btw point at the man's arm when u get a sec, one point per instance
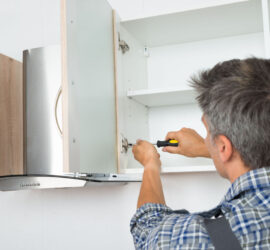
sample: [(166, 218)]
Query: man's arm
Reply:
[(191, 144), (151, 188), (151, 203)]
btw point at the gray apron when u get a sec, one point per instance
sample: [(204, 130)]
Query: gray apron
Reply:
[(219, 231), (221, 234)]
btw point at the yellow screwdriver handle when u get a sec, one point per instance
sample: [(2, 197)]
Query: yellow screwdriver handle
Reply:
[(171, 143)]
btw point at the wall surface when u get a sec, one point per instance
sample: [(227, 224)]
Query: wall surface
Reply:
[(28, 24), (95, 217)]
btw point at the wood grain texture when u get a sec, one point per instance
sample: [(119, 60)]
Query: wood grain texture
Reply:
[(11, 116)]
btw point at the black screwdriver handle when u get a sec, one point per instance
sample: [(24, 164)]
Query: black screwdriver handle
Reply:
[(167, 143)]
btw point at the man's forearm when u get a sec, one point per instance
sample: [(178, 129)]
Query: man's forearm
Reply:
[(151, 188)]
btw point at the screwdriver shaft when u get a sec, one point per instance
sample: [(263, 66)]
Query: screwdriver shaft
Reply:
[(172, 143)]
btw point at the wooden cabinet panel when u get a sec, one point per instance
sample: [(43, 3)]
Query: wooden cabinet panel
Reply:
[(11, 117)]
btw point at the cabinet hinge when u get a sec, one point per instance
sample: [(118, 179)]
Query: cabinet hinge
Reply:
[(123, 46), (124, 146)]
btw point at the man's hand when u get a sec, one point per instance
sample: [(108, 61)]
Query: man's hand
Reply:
[(151, 188), (146, 154), (191, 144)]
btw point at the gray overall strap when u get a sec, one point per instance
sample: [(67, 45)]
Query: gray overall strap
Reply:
[(221, 234)]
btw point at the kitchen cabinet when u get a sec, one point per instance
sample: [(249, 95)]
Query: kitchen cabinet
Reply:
[(124, 80)]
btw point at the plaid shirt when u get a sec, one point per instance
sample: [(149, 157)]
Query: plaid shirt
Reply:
[(246, 206)]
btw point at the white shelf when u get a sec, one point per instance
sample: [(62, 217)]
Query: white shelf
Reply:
[(201, 24), (179, 169), (162, 97)]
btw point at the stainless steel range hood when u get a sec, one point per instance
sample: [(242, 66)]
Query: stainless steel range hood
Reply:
[(28, 182), (43, 147)]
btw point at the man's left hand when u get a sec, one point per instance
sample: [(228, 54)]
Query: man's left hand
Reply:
[(146, 154)]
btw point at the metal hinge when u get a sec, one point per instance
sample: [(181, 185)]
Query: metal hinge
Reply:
[(123, 46), (124, 146)]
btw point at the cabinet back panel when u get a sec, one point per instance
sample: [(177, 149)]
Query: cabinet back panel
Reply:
[(172, 66), (172, 118)]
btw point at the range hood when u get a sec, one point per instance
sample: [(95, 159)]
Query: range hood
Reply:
[(43, 147), (42, 181)]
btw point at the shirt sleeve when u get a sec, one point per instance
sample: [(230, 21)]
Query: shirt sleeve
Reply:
[(147, 218), (156, 226)]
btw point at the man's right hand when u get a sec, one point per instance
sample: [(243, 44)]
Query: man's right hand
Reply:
[(191, 144)]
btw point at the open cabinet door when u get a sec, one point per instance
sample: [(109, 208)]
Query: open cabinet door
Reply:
[(89, 101)]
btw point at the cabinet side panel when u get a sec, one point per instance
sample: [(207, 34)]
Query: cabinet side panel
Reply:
[(91, 93), (172, 66), (131, 74), (11, 117)]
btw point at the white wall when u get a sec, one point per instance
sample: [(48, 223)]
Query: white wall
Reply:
[(28, 24), (91, 218), (94, 217)]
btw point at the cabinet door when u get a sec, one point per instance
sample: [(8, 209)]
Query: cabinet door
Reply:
[(89, 103)]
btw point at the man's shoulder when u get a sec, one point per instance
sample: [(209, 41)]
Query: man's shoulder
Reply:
[(249, 214)]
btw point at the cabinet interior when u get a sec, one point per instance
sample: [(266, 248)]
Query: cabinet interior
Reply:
[(154, 96)]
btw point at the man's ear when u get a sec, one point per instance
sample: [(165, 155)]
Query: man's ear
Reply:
[(224, 147)]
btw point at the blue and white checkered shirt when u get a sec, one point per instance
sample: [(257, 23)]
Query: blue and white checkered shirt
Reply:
[(246, 206)]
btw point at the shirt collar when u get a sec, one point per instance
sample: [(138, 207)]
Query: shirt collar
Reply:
[(254, 179)]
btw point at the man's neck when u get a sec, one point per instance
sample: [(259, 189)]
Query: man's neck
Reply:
[(235, 170)]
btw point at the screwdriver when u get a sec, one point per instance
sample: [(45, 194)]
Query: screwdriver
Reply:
[(171, 143)]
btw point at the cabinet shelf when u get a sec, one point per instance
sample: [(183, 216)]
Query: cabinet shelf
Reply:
[(162, 97), (201, 24), (177, 169)]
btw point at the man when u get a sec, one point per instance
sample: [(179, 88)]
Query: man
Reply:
[(235, 99)]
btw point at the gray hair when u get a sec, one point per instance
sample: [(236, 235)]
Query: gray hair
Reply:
[(235, 99)]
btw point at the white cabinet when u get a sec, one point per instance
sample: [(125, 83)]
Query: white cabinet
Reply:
[(129, 79)]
